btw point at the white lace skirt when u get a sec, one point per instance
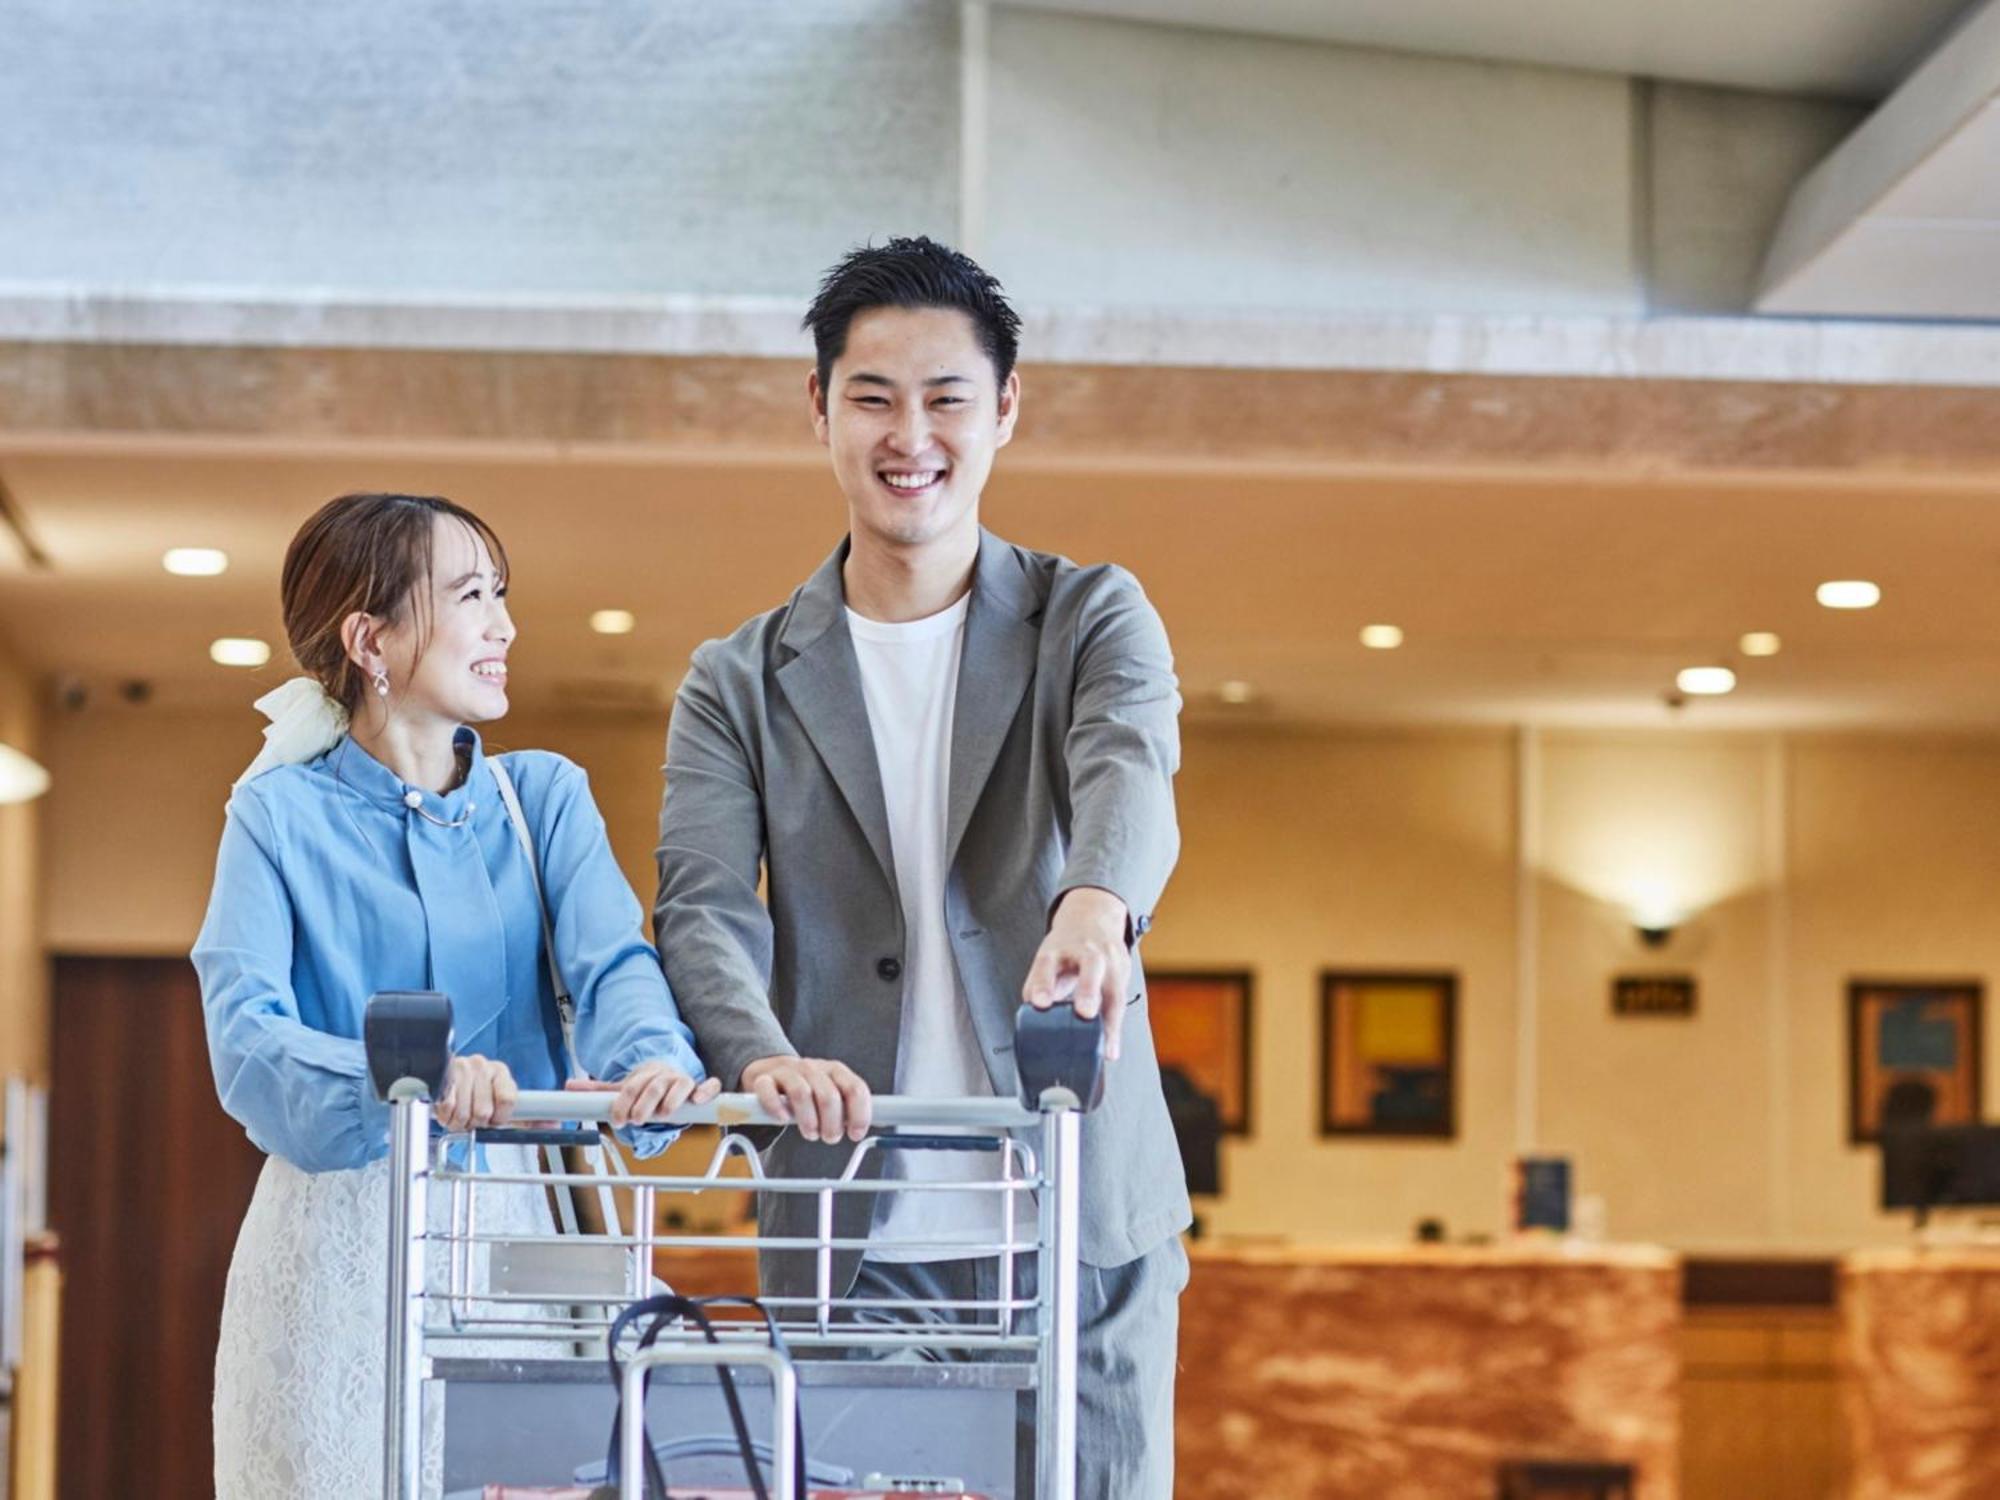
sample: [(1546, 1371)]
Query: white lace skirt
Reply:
[(299, 1372)]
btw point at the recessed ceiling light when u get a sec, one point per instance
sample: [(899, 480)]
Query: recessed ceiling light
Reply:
[(1381, 637), (1759, 643), (1849, 593), (21, 779), (1706, 682), (195, 562), (1235, 691), (239, 651), (612, 622)]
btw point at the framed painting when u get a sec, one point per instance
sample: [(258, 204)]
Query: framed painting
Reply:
[(1912, 1053), (1201, 1020), (1388, 1054)]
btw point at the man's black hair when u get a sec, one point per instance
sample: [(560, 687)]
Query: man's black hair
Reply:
[(915, 272)]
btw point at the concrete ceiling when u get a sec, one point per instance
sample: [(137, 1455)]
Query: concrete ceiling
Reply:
[(1856, 49), (1902, 220), (1551, 602)]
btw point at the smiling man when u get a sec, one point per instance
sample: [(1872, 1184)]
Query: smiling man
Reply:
[(952, 760)]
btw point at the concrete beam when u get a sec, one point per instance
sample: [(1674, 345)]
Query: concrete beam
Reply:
[(67, 397)]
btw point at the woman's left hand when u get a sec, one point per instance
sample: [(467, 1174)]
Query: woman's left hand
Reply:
[(649, 1093), (478, 1092)]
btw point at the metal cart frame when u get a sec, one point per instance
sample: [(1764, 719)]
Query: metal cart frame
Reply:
[(423, 1323)]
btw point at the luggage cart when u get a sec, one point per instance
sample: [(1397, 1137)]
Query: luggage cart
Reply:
[(455, 1290)]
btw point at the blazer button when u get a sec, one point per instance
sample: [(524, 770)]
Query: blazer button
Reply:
[(890, 969)]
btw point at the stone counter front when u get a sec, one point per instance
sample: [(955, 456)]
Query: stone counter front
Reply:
[(1412, 1374), (1920, 1373)]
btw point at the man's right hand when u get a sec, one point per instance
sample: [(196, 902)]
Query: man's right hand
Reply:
[(823, 1099)]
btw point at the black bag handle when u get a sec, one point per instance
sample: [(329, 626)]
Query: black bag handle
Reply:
[(662, 1310)]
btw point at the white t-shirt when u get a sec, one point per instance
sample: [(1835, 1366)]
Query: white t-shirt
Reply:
[(909, 677)]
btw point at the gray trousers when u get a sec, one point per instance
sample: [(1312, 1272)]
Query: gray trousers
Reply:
[(1128, 1344)]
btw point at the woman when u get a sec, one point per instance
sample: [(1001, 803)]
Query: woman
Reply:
[(368, 848)]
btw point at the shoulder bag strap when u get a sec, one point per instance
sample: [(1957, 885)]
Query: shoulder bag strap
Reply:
[(565, 1005)]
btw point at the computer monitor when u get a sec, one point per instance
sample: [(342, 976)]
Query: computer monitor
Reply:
[(1197, 1122), (1940, 1166)]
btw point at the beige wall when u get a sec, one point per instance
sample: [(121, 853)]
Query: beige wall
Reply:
[(23, 975), (1800, 862), (136, 809), (1369, 851), (1668, 1119)]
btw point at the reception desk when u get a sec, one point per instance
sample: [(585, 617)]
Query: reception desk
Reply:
[(1413, 1373), (1920, 1373)]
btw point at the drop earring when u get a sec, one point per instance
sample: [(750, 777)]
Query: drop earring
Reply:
[(382, 683)]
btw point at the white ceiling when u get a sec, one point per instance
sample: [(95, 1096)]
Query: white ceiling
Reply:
[(1558, 603), (1855, 49)]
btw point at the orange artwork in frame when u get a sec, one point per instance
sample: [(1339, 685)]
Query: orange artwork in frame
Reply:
[(1201, 1022)]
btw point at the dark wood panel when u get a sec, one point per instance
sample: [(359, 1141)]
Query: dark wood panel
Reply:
[(1768, 1281), (149, 1181)]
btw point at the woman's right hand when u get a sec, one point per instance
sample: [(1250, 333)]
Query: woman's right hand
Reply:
[(478, 1092)]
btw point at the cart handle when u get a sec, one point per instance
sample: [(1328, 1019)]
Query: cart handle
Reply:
[(1059, 1055), (733, 1110)]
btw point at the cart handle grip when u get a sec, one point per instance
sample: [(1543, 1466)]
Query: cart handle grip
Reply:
[(407, 1036), (1060, 1055)]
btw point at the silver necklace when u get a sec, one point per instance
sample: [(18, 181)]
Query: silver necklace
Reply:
[(414, 801)]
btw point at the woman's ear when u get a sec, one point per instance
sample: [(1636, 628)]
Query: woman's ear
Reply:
[(359, 639)]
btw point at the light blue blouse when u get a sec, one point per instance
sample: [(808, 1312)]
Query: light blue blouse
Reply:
[(328, 888)]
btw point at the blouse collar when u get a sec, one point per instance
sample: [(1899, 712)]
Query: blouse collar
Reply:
[(356, 768)]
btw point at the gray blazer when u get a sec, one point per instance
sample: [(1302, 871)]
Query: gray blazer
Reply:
[(1064, 747)]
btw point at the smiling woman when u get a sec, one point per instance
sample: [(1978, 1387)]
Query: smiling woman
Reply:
[(367, 555), (374, 846)]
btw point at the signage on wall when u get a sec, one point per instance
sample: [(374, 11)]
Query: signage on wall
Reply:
[(1653, 995)]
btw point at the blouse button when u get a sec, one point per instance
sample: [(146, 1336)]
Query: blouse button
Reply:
[(413, 800), (890, 969)]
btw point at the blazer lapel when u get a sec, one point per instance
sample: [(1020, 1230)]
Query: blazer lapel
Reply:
[(823, 685), (1002, 636)]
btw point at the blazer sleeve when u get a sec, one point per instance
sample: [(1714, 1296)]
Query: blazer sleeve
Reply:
[(1121, 751), (714, 933), (299, 1092)]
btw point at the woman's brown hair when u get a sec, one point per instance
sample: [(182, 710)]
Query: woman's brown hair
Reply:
[(369, 554)]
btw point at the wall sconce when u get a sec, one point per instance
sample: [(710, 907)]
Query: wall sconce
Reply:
[(1655, 915), (1654, 934), (21, 778)]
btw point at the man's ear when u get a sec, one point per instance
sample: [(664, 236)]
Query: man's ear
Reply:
[(1010, 409), (818, 399)]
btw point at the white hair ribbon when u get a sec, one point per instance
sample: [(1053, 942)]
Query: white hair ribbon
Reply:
[(306, 721)]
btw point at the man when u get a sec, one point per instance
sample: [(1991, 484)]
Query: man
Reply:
[(952, 759)]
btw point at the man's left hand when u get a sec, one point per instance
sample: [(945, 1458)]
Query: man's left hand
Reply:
[(1084, 961)]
